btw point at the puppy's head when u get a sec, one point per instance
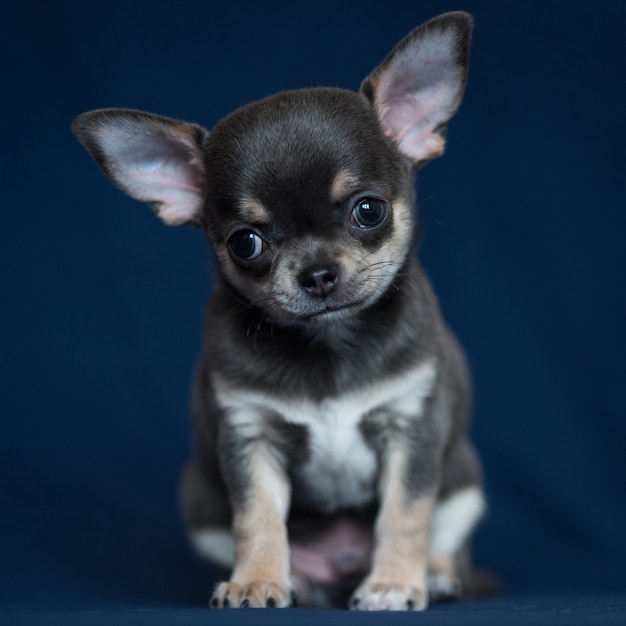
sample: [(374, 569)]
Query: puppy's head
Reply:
[(307, 196), (309, 205)]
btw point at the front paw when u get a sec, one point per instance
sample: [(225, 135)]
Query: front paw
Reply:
[(252, 595), (381, 596)]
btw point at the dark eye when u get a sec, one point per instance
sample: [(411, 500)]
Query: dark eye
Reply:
[(246, 245), (368, 213)]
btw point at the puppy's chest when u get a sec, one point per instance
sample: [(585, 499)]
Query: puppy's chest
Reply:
[(333, 464), (339, 465)]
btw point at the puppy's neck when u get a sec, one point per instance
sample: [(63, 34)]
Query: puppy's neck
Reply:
[(318, 361)]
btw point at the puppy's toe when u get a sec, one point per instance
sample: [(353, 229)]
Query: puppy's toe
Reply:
[(443, 587), (251, 595), (388, 597)]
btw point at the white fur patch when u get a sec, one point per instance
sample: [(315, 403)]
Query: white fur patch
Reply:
[(217, 545), (342, 468), (454, 519)]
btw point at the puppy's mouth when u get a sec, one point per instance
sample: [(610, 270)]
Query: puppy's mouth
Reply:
[(331, 313)]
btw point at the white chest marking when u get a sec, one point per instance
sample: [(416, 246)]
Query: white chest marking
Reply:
[(341, 469)]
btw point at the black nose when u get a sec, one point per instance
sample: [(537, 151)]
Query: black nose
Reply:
[(320, 280)]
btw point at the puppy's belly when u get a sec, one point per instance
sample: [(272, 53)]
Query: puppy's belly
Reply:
[(341, 556)]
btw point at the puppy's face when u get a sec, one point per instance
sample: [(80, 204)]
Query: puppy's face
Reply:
[(310, 207)]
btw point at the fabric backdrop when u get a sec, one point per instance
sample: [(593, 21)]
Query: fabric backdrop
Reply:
[(102, 304)]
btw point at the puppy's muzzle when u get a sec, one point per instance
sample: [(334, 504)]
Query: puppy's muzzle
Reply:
[(320, 280)]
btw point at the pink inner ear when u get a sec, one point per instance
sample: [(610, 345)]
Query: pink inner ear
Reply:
[(411, 119), (171, 183), (418, 91), (157, 164)]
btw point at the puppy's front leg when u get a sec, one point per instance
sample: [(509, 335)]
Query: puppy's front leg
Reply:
[(260, 501), (398, 577)]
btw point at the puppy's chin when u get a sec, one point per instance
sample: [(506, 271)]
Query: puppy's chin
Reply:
[(319, 314), (331, 314)]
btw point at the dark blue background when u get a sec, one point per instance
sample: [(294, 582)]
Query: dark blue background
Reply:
[(102, 304)]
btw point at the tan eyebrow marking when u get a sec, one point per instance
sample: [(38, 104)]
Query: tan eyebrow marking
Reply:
[(254, 211), (343, 186)]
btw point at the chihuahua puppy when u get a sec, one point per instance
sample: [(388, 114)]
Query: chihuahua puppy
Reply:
[(331, 401)]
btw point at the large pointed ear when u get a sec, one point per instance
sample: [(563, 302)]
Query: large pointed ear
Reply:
[(151, 158), (419, 86)]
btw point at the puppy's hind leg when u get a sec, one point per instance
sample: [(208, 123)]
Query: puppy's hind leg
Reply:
[(459, 507), (453, 520), (207, 516)]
